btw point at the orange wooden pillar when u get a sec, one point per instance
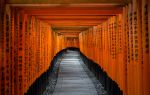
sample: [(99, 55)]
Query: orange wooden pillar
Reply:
[(2, 70), (100, 45), (1, 44), (123, 49), (95, 44), (121, 55), (7, 50), (103, 46), (149, 29), (106, 48), (109, 52), (21, 53), (128, 51), (137, 50), (117, 63), (131, 67), (16, 53), (112, 48), (149, 32), (26, 71), (114, 42), (145, 45), (0, 51), (12, 50), (31, 54)]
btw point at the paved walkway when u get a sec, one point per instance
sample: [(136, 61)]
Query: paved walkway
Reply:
[(72, 78)]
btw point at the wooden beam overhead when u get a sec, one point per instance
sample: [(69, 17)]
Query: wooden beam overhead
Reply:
[(68, 27), (106, 7), (66, 1), (72, 17), (72, 12), (73, 33), (68, 31), (72, 28), (74, 23), (69, 35)]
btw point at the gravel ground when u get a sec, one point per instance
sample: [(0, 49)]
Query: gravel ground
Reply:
[(54, 78), (99, 88)]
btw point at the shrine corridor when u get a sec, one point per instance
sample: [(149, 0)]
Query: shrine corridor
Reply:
[(72, 78), (74, 47)]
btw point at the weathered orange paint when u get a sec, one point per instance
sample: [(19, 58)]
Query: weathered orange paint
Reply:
[(119, 42)]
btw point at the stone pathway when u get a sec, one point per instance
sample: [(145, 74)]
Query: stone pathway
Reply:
[(73, 78)]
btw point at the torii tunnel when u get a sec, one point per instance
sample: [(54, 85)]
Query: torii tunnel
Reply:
[(74, 47)]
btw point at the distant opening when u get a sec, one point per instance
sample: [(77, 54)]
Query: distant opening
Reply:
[(73, 48)]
